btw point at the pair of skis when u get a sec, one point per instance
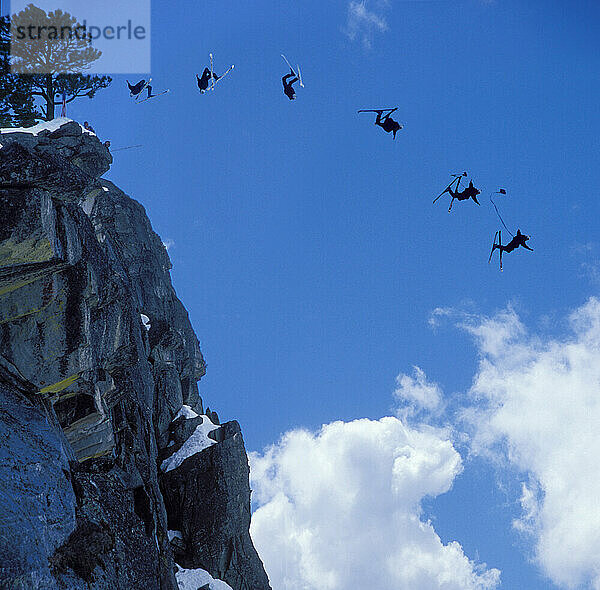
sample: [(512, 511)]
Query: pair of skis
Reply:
[(298, 74), (154, 95), (214, 82), (137, 96), (456, 178)]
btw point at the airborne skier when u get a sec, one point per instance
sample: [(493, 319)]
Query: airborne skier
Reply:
[(288, 88), (518, 240), (205, 78), (209, 75), (387, 123), (136, 89), (469, 193)]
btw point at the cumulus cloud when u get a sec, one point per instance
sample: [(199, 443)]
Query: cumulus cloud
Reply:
[(541, 413), (362, 22), (341, 509)]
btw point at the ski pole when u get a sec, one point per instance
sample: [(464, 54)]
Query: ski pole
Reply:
[(127, 148)]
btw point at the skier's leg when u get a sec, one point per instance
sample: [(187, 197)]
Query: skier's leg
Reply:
[(453, 195), (149, 90)]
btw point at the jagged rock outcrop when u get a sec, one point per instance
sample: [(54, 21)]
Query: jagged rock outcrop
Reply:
[(209, 489), (97, 358)]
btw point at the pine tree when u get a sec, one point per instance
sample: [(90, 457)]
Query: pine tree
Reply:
[(50, 64), (17, 107)]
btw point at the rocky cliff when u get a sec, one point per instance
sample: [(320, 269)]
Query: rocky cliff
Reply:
[(112, 474)]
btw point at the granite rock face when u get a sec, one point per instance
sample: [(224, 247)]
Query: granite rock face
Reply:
[(209, 489), (97, 358)]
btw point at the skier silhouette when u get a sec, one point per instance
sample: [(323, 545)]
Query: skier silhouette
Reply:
[(288, 89), (136, 89), (387, 123), (518, 240), (205, 79), (469, 193)]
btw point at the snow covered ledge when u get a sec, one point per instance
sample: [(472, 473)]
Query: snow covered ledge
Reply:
[(198, 578), (197, 442), (50, 126)]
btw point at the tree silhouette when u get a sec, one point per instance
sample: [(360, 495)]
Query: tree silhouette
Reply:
[(17, 108), (48, 52)]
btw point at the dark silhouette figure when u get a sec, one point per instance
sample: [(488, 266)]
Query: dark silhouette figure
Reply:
[(205, 79), (288, 89), (518, 240), (135, 89), (387, 123), (88, 127), (469, 193)]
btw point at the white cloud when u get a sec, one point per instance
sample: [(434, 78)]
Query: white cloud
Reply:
[(168, 243), (341, 509), (542, 414), (417, 395), (362, 22)]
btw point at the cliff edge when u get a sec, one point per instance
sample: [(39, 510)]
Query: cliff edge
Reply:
[(112, 473)]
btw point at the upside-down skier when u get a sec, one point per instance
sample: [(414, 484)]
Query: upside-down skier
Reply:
[(518, 240), (288, 88), (203, 80), (469, 193), (209, 76), (385, 122)]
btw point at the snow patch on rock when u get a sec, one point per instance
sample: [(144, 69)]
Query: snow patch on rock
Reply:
[(186, 412), (194, 579), (174, 535), (196, 443), (145, 321)]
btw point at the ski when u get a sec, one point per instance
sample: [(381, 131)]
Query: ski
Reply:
[(222, 76), (298, 75), (154, 96), (212, 76), (129, 147), (500, 247), (289, 65), (378, 110), (447, 189)]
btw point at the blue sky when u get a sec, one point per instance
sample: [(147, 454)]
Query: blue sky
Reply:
[(304, 241)]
